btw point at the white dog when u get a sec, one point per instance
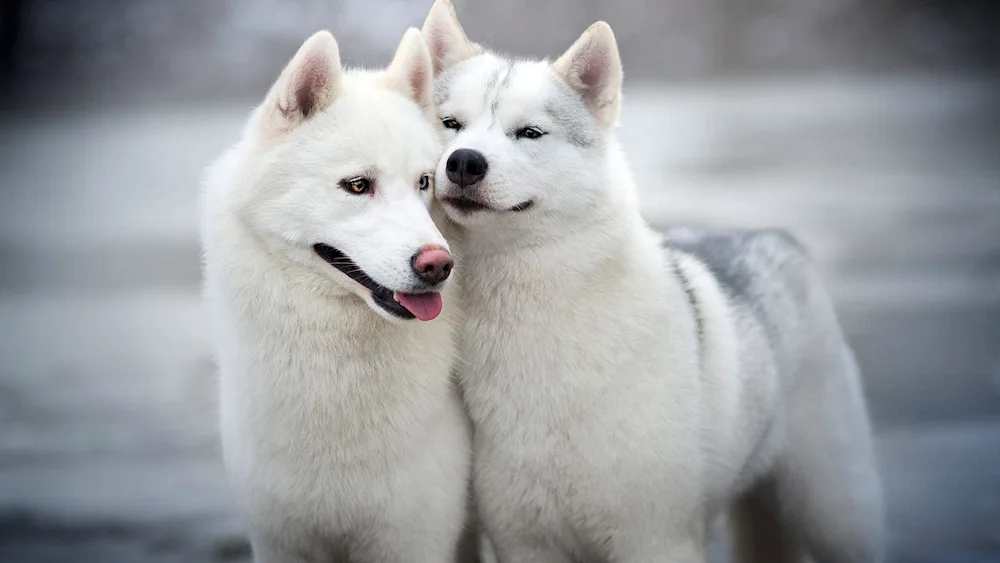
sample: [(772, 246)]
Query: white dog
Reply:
[(625, 389), (341, 427)]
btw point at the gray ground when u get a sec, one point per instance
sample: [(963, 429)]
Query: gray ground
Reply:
[(107, 441)]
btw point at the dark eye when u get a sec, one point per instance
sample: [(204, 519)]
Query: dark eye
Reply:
[(357, 185), (529, 133), (425, 182), (451, 123)]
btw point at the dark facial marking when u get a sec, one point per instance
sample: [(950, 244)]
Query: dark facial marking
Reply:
[(507, 76), (494, 78), (495, 86)]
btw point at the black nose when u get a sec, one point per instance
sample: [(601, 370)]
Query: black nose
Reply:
[(465, 167)]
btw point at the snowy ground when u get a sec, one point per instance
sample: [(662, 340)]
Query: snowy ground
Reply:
[(107, 441)]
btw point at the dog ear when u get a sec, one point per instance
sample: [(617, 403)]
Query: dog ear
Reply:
[(307, 85), (592, 67), (410, 72), (445, 37)]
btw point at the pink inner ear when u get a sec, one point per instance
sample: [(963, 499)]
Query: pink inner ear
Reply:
[(312, 83), (418, 82), (591, 66), (437, 43)]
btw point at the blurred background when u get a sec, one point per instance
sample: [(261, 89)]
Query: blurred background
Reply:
[(870, 128)]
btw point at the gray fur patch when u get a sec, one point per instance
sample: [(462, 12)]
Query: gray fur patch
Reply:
[(507, 75), (742, 261), (494, 79), (442, 89), (498, 86), (722, 255), (573, 118)]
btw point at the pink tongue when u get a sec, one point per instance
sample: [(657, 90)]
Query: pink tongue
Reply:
[(424, 306)]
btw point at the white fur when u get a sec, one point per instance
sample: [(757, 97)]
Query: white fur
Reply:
[(341, 428), (615, 418)]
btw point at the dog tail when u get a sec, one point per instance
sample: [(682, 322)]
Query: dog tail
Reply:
[(758, 536)]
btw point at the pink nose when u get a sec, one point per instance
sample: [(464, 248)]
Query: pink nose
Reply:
[(432, 264)]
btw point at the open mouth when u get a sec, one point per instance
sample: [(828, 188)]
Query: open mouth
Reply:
[(423, 306), (468, 205)]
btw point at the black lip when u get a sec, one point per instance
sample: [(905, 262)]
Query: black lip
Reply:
[(468, 205), (381, 294)]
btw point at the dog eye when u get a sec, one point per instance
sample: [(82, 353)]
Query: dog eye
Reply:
[(425, 182), (529, 133), (451, 123), (357, 185)]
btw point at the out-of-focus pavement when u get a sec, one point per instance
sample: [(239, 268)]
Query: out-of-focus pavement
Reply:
[(107, 426)]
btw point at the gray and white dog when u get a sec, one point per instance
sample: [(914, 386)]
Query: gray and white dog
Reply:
[(626, 389)]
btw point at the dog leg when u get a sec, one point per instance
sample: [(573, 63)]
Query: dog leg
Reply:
[(759, 535), (523, 554), (827, 485), (268, 548), (650, 544)]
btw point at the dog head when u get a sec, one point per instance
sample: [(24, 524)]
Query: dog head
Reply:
[(523, 139), (338, 175)]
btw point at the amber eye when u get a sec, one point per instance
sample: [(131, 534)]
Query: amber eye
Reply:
[(529, 133), (357, 185), (451, 123), (425, 182)]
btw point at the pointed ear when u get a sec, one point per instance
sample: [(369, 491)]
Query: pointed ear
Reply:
[(592, 67), (308, 85), (446, 40), (410, 72)]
